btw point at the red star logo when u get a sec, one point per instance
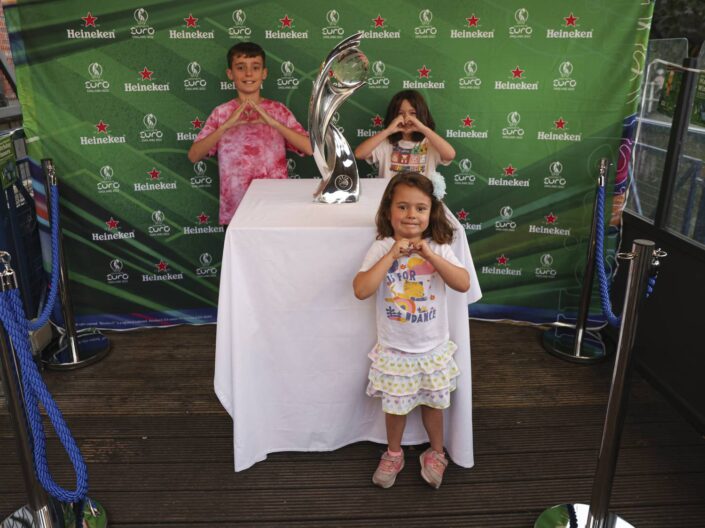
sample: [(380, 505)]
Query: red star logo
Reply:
[(517, 73), (102, 127), (286, 21), (570, 20), (472, 21), (89, 20), (502, 260), (551, 218), (560, 123), (197, 123), (146, 74), (191, 21), (154, 174), (203, 218), (112, 223), (423, 72), (509, 170), (379, 21), (462, 214), (467, 122), (377, 121), (161, 265)]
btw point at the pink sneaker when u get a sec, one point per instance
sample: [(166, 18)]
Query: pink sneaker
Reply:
[(388, 469), (433, 465)]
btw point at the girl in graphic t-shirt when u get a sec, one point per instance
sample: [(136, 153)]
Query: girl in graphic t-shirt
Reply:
[(408, 268), (408, 142)]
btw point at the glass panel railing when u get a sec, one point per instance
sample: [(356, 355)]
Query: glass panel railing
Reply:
[(654, 124)]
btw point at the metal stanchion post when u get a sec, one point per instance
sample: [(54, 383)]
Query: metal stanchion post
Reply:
[(597, 514), (571, 343), (42, 510), (74, 349)]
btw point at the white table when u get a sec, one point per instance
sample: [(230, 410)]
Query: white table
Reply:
[(292, 340)]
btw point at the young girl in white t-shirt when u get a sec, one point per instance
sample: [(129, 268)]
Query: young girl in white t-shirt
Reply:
[(408, 268), (408, 142)]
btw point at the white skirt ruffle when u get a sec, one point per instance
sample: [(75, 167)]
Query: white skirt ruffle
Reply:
[(404, 381)]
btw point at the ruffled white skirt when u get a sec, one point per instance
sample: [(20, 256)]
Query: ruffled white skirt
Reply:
[(404, 381)]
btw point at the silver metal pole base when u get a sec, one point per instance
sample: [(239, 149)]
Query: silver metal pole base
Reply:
[(560, 342), (94, 516), (88, 347), (576, 516)]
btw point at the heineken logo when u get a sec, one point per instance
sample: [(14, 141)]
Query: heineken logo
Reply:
[(286, 30)]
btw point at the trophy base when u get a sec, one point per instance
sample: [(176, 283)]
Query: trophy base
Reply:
[(575, 516)]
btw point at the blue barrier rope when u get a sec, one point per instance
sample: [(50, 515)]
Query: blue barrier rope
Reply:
[(602, 277), (54, 281), (35, 391)]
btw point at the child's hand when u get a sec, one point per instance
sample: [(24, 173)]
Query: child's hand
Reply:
[(401, 248), (423, 249), (264, 117), (397, 125), (241, 116), (414, 125)]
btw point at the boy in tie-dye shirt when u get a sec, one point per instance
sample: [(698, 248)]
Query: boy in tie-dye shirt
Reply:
[(250, 134)]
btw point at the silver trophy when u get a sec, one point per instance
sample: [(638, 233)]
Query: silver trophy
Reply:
[(344, 71)]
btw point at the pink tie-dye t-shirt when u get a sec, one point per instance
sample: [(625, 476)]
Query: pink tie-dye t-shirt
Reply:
[(248, 152)]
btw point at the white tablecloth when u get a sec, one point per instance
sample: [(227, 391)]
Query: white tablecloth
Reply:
[(292, 340)]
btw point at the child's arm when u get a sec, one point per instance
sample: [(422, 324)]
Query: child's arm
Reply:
[(295, 139), (202, 147), (455, 277), (365, 148), (366, 283), (445, 149)]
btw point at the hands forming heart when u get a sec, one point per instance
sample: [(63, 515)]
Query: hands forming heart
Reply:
[(405, 247), (249, 113)]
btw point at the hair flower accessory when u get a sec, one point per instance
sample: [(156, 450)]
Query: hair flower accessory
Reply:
[(439, 184)]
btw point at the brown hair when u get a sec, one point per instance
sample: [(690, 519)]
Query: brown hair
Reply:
[(423, 114), (439, 228), (245, 49)]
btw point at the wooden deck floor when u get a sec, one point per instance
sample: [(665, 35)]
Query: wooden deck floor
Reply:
[(159, 447)]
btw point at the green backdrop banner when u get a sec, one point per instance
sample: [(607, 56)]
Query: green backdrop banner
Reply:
[(530, 94)]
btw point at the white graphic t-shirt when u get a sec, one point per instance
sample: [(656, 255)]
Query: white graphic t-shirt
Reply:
[(405, 156), (411, 301)]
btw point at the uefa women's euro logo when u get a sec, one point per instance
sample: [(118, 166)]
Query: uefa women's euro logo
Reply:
[(150, 134)]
